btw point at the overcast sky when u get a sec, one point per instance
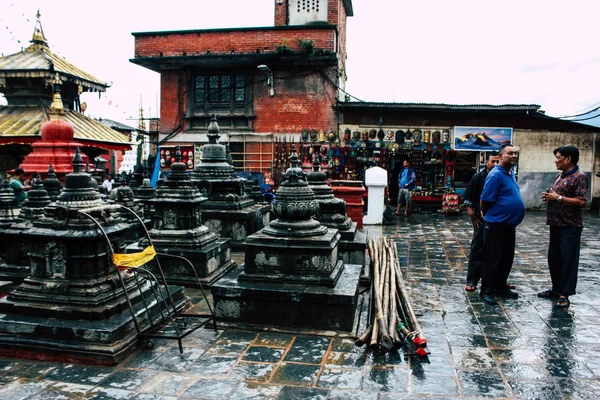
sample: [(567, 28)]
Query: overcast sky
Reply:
[(438, 51)]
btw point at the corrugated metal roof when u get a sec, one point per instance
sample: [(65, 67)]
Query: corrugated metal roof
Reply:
[(23, 124), (37, 61), (440, 106), (115, 125)]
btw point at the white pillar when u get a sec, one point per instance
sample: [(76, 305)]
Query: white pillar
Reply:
[(376, 181)]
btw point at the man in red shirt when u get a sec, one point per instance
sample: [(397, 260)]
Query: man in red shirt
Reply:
[(565, 202)]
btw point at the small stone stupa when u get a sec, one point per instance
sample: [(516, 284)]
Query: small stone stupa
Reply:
[(72, 307), (292, 276), (228, 211), (52, 185), (16, 265), (177, 229), (332, 214)]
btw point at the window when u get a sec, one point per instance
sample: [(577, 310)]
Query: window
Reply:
[(220, 89), (227, 95)]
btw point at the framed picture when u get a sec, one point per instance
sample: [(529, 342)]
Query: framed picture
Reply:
[(469, 138)]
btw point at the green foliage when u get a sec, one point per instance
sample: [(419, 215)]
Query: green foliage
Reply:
[(308, 46), (283, 48)]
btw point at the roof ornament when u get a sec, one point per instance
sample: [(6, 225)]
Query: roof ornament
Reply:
[(38, 38), (56, 108)]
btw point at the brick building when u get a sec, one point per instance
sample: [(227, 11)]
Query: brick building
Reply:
[(264, 84)]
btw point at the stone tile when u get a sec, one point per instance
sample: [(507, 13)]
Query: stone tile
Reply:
[(515, 356), (296, 374), (482, 384), (23, 389), (274, 339), (64, 391), (254, 391), (263, 354), (438, 385), (345, 345), (80, 374), (167, 384), (524, 372), (337, 394), (252, 372), (473, 358), (467, 340), (568, 369), (173, 361), (237, 336), (227, 349), (546, 390), (340, 378), (144, 396), (422, 368), (207, 366), (209, 389), (386, 359), (127, 379), (345, 359), (308, 349), (302, 393), (103, 393), (390, 379), (579, 389)]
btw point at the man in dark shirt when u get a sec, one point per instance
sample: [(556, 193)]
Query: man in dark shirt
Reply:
[(565, 201), (471, 202), (503, 209)]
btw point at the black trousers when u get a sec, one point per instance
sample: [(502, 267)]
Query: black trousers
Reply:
[(563, 258), (499, 253), (476, 256)]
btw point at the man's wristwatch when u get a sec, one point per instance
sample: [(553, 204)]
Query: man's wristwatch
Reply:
[(559, 199)]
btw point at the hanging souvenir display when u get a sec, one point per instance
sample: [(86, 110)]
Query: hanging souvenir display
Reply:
[(313, 135), (322, 136), (427, 136), (436, 137), (365, 135), (389, 135), (445, 136), (372, 134), (347, 134), (408, 136), (356, 135), (304, 135), (400, 136), (417, 136), (380, 134)]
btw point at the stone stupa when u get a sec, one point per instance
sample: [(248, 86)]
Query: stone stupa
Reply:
[(292, 276), (74, 305), (228, 211), (177, 229)]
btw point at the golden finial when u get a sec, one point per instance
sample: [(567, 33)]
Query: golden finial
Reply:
[(38, 33), (56, 108)]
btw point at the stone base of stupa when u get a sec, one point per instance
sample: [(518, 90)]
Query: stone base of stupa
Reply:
[(352, 250), (288, 305), (14, 262), (37, 335), (210, 262), (237, 224)]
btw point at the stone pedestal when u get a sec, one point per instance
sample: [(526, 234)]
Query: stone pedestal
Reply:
[(237, 224), (376, 181), (292, 276), (351, 192)]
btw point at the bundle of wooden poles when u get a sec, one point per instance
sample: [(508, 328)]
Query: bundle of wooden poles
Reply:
[(393, 323)]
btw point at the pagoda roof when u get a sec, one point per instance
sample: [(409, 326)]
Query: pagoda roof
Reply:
[(38, 61), (22, 124)]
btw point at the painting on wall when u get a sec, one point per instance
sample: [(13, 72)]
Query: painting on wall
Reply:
[(469, 138)]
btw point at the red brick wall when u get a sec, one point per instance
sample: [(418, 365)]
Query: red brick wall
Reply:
[(301, 102), (228, 41), (281, 12), (172, 85)]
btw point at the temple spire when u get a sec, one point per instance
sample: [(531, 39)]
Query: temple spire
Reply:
[(38, 39)]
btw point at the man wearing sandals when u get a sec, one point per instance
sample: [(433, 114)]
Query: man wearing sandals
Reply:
[(565, 201), (471, 202), (503, 209)]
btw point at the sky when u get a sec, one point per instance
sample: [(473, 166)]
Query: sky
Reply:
[(435, 51)]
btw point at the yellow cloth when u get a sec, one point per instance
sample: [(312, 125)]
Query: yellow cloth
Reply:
[(134, 260)]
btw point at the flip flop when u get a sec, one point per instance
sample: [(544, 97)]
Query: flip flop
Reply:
[(508, 285), (470, 288), (563, 302)]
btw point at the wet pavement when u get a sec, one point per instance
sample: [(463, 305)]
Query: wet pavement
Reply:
[(522, 348)]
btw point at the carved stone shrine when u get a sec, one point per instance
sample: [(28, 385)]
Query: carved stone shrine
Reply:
[(332, 214), (15, 254), (228, 212), (292, 275), (177, 229), (72, 307), (52, 185)]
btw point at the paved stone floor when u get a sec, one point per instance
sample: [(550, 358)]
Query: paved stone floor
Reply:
[(523, 348)]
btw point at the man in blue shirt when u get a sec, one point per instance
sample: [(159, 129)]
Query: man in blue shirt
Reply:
[(406, 183), (503, 209)]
